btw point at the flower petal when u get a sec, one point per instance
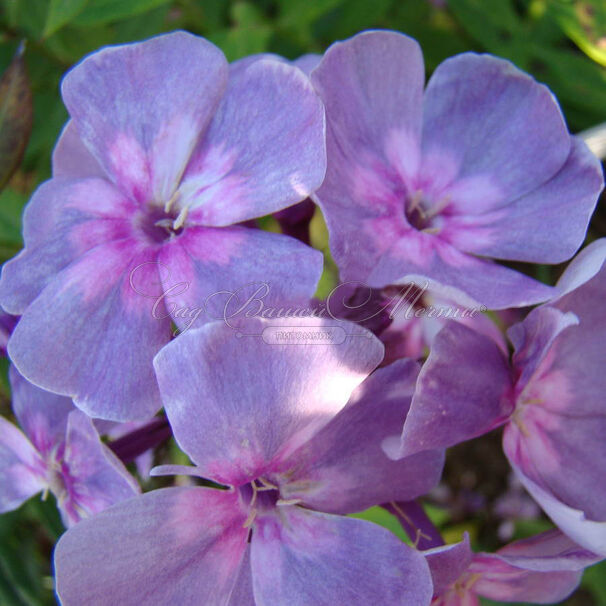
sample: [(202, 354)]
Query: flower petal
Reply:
[(530, 228), (448, 563), (263, 151), (140, 108), (265, 398), (91, 336), (372, 87), (21, 468), (343, 468), (494, 121), (462, 392), (98, 478), (41, 414), (574, 523), (426, 259), (558, 436), (542, 569), (168, 546), (71, 157), (583, 267), (302, 557), (216, 273), (59, 225)]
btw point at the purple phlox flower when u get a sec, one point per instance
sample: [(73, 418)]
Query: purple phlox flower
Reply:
[(549, 397), (166, 151), (59, 452), (436, 184), (543, 569), (294, 431)]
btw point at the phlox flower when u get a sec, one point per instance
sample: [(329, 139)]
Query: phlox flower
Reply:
[(549, 397), (543, 569), (167, 151), (436, 184), (294, 432), (59, 452)]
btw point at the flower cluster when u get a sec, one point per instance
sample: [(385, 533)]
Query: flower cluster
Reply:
[(149, 302)]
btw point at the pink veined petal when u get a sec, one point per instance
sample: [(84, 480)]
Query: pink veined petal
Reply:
[(100, 343), (60, 224), (424, 258), (534, 337), (216, 273), (41, 414), (169, 546), (236, 419), (548, 551), (543, 569), (367, 108), (140, 108), (303, 557), (97, 478), (343, 468), (530, 228), (254, 162), (557, 436), (71, 157), (21, 468)]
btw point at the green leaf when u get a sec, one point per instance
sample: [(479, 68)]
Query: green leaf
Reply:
[(382, 517), (250, 34), (302, 12), (60, 13), (105, 11), (15, 116), (28, 16), (585, 24)]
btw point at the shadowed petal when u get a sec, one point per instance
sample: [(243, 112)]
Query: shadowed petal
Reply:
[(462, 392), (236, 404), (41, 414), (21, 468), (98, 478), (447, 563), (343, 468), (169, 546), (542, 569), (302, 557)]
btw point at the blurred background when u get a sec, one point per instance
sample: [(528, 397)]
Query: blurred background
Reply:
[(560, 42)]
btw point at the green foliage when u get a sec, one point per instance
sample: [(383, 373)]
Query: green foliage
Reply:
[(560, 42)]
